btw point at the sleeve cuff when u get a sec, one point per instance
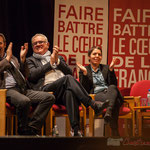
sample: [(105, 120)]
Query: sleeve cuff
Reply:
[(58, 62), (54, 66)]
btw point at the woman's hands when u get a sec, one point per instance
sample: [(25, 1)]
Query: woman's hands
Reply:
[(82, 68), (113, 63)]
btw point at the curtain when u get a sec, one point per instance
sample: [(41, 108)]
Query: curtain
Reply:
[(21, 19)]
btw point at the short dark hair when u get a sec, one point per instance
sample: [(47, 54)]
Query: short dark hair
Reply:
[(91, 50), (2, 35)]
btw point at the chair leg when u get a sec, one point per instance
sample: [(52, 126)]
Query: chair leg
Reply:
[(84, 126), (2, 125), (51, 121), (12, 125), (81, 124), (91, 118), (107, 130), (2, 112), (84, 121), (68, 128), (42, 130), (7, 126), (126, 127), (140, 124), (16, 125), (133, 124), (48, 128), (91, 122)]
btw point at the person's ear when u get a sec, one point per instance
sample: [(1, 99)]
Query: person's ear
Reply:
[(48, 44)]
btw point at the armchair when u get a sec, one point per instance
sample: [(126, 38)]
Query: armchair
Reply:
[(8, 118), (126, 112), (60, 111), (140, 89), (6, 113)]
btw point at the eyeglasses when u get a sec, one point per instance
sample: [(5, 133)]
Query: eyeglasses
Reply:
[(38, 42)]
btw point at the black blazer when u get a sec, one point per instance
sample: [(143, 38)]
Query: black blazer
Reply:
[(38, 70), (5, 65), (109, 77), (87, 81)]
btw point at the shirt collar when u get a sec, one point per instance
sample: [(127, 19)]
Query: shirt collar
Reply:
[(1, 58), (98, 69)]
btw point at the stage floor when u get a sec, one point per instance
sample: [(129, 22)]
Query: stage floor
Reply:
[(73, 143)]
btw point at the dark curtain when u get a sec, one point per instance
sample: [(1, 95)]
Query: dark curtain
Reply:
[(21, 19)]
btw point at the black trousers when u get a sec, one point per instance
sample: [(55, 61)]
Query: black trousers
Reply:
[(69, 92), (42, 101), (113, 94)]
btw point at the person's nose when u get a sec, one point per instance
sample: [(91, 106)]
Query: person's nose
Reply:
[(38, 43)]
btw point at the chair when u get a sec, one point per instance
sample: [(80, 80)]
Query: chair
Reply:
[(60, 111), (8, 118), (126, 112), (140, 89), (4, 114)]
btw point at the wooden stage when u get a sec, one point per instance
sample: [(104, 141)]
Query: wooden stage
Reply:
[(73, 143)]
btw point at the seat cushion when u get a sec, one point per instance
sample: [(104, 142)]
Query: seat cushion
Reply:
[(11, 108), (59, 108), (124, 110), (104, 111), (62, 108)]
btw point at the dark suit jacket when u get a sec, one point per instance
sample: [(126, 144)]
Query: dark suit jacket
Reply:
[(38, 70), (5, 65), (87, 81)]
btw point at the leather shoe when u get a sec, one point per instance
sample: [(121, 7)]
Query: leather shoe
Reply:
[(99, 107), (28, 131), (78, 134)]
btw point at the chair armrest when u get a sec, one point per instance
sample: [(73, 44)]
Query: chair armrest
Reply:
[(83, 107), (142, 107), (92, 96), (132, 101)]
